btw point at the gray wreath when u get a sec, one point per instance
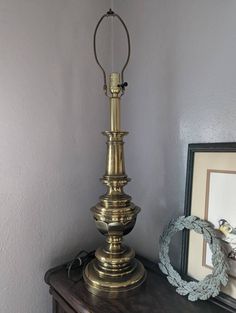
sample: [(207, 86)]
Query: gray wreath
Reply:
[(210, 285)]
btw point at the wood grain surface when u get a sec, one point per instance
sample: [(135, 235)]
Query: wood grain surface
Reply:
[(155, 296)]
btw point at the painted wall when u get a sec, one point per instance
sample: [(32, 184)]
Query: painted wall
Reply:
[(52, 110), (181, 90)]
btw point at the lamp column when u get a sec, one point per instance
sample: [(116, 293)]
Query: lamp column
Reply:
[(114, 269)]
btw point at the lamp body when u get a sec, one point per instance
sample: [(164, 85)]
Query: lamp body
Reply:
[(114, 269)]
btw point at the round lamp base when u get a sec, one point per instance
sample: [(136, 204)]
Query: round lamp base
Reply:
[(110, 285)]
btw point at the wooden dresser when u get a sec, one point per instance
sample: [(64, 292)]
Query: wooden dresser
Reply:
[(155, 296)]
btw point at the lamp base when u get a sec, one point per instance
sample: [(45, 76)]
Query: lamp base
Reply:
[(103, 283)]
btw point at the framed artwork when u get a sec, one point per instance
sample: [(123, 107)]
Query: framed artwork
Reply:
[(211, 195)]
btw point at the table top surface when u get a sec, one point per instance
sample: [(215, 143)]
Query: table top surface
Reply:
[(155, 295)]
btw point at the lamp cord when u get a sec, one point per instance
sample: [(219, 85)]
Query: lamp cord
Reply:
[(81, 259)]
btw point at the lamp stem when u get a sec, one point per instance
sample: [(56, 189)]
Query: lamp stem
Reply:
[(114, 269)]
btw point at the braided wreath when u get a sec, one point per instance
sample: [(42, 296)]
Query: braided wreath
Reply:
[(210, 285)]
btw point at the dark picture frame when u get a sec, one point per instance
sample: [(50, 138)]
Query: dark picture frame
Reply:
[(223, 299)]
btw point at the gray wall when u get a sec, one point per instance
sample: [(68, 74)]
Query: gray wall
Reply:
[(52, 110), (181, 90)]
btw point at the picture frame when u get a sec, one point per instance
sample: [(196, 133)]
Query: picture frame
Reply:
[(209, 194)]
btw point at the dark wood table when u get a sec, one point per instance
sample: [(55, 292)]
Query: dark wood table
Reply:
[(155, 296)]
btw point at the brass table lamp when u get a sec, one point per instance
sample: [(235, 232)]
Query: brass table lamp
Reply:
[(114, 269)]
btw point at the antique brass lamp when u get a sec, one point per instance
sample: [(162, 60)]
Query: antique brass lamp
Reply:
[(114, 268)]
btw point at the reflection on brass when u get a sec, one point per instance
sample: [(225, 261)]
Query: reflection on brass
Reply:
[(114, 269)]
